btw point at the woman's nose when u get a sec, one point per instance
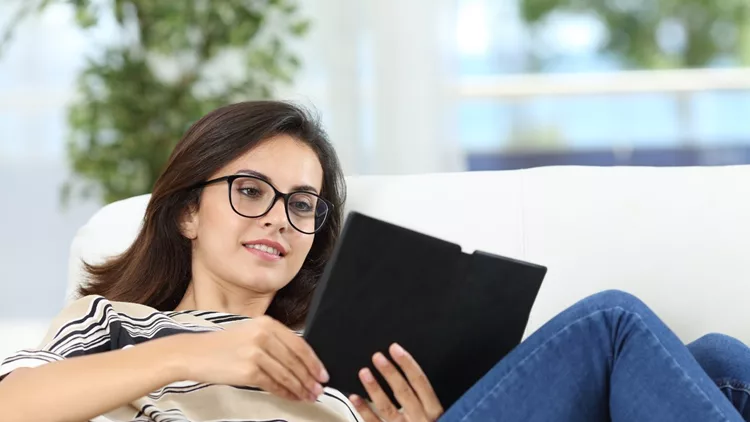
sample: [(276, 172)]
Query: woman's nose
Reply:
[(276, 216)]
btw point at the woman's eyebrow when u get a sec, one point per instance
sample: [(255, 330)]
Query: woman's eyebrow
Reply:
[(262, 176)]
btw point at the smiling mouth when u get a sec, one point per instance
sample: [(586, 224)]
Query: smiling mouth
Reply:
[(264, 248)]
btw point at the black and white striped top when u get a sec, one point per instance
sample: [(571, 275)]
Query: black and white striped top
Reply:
[(93, 324)]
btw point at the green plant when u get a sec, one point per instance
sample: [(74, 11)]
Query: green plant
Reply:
[(173, 61), (661, 33)]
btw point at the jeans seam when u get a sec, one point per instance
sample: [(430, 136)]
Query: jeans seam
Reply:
[(734, 386), (684, 373), (558, 333)]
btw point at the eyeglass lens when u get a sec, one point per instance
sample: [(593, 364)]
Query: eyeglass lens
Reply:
[(252, 197)]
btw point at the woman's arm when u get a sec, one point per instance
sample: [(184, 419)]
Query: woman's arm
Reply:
[(260, 353), (81, 388)]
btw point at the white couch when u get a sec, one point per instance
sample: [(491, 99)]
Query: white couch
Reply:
[(679, 238)]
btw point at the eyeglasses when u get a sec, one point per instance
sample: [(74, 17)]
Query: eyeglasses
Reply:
[(253, 197)]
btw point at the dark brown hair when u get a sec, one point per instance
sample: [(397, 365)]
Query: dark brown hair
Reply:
[(156, 269)]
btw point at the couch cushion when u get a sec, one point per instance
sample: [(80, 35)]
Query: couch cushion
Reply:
[(676, 237)]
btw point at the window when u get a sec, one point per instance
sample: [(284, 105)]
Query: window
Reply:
[(529, 126)]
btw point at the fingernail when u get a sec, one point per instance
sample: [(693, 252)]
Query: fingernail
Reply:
[(380, 359), (397, 350), (318, 390), (324, 376), (367, 375), (355, 400)]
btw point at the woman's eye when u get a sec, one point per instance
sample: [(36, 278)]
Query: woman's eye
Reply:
[(251, 192), (301, 206)]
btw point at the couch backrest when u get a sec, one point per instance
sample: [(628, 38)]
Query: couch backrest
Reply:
[(677, 237)]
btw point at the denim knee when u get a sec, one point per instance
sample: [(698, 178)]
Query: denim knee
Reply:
[(718, 340), (608, 299), (722, 356)]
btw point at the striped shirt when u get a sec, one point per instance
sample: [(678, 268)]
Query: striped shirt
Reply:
[(93, 324)]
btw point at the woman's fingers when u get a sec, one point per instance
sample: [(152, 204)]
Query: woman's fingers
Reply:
[(285, 356), (282, 376), (414, 393), (402, 391), (379, 399), (363, 409), (264, 381), (302, 351), (418, 381)]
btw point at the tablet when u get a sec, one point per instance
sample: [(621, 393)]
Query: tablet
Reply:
[(458, 314)]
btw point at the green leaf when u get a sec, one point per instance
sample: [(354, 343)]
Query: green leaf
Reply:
[(127, 118), (633, 28), (300, 28), (86, 15)]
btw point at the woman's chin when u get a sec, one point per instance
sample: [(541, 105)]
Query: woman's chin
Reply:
[(263, 284)]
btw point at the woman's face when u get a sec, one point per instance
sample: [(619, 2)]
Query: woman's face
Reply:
[(225, 244)]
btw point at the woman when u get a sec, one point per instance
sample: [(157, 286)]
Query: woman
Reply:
[(193, 321)]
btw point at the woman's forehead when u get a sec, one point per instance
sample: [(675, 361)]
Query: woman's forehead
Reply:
[(285, 161)]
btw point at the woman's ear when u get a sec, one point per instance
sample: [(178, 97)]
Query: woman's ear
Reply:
[(189, 223)]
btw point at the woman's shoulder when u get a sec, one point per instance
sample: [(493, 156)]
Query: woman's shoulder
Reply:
[(98, 309), (94, 316), (93, 305), (85, 304), (84, 310)]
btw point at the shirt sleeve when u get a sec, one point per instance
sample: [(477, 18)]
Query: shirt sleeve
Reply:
[(80, 329)]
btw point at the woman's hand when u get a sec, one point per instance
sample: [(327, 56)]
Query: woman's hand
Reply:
[(259, 353), (415, 393)]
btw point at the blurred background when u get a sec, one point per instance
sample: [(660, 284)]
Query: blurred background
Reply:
[(94, 94)]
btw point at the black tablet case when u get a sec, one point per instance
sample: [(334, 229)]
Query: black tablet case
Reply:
[(458, 314)]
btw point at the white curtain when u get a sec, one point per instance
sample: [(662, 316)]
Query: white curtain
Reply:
[(383, 74)]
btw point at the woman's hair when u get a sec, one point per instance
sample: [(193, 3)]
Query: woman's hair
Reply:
[(156, 269)]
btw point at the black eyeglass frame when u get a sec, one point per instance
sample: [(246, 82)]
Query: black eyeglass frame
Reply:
[(277, 194)]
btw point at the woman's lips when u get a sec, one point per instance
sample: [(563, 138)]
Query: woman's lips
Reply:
[(263, 254)]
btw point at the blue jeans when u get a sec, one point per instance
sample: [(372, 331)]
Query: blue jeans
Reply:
[(726, 361), (610, 358)]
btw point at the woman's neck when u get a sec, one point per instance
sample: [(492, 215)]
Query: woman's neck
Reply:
[(219, 298)]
